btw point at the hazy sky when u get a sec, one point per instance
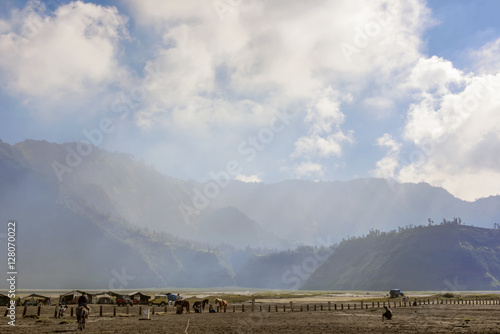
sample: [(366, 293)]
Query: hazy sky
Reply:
[(319, 90)]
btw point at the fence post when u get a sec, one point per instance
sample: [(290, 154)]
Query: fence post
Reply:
[(55, 312), (329, 306), (321, 307), (114, 311), (234, 308), (335, 305), (276, 306), (253, 304), (140, 310), (71, 311), (341, 306), (24, 310), (315, 307), (291, 306), (100, 311), (269, 308), (38, 310), (300, 308), (348, 306), (242, 307), (260, 307)]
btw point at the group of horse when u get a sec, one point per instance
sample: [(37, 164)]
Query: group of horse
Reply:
[(82, 313), (198, 306)]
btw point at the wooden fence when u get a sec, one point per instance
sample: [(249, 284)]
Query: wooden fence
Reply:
[(113, 311)]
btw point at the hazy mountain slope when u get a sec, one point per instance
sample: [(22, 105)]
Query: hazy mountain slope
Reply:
[(282, 270), (229, 226), (443, 257), (124, 188), (63, 243), (317, 212)]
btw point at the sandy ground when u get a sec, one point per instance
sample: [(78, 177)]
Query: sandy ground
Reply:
[(454, 318)]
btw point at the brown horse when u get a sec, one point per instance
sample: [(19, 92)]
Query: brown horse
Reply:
[(222, 304), (81, 315), (183, 304), (198, 306)]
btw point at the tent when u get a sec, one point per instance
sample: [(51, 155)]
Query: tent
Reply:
[(72, 297), (143, 299), (35, 299), (104, 298)]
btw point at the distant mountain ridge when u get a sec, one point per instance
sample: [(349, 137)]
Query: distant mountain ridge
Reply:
[(125, 217), (447, 257)]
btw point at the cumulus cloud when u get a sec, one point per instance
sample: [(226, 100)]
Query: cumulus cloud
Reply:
[(229, 68), (71, 52), (435, 74), (270, 53), (454, 133)]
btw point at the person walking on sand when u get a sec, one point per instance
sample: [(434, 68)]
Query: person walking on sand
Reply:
[(387, 314)]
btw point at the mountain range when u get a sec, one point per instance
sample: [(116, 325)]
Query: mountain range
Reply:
[(90, 218)]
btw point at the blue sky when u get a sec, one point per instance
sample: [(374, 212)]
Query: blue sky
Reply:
[(318, 90)]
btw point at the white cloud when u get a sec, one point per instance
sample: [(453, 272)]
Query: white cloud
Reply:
[(456, 135), (248, 178), (487, 60), (308, 168), (315, 146), (271, 53), (387, 166), (435, 74), (70, 53)]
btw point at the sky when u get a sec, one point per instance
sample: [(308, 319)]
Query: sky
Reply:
[(263, 91)]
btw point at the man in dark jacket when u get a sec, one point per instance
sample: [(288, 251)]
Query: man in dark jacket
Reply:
[(82, 301)]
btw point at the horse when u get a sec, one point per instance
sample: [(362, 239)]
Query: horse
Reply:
[(184, 304), (197, 306), (204, 303), (81, 314), (222, 303)]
